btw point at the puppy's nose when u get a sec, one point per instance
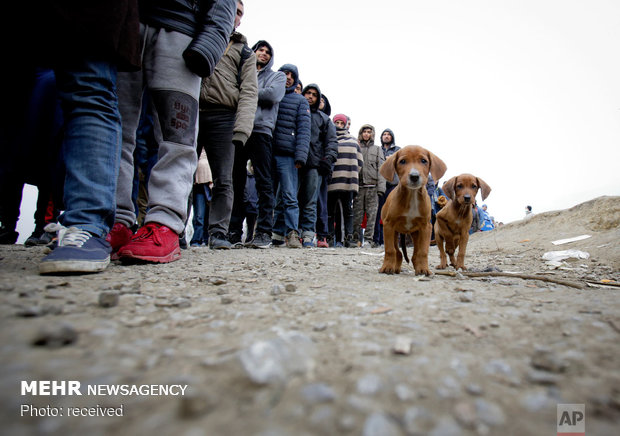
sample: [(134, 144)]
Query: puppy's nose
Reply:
[(414, 176), (467, 198)]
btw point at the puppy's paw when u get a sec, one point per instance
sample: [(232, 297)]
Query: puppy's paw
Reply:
[(442, 265), (425, 271), (389, 269)]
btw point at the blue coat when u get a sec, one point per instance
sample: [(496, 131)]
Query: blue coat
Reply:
[(292, 132)]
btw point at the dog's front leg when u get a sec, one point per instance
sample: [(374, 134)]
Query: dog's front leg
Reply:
[(392, 258), (460, 258), (421, 242)]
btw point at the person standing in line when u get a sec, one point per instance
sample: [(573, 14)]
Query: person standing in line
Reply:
[(389, 147), (343, 185), (372, 185), (183, 43), (228, 101), (79, 43), (290, 153), (321, 157), (201, 201), (259, 149)]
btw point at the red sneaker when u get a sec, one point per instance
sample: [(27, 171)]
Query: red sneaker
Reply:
[(322, 243), (119, 236), (154, 243)]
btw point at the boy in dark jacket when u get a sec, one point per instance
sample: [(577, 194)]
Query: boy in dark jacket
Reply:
[(290, 152), (321, 157)]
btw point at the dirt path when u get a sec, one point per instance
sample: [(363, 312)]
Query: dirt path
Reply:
[(315, 341)]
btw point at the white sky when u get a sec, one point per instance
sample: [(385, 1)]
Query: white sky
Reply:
[(523, 94)]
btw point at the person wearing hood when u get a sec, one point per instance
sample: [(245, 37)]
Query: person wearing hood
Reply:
[(321, 157), (372, 185), (228, 101), (389, 147), (290, 153), (324, 106), (343, 185), (259, 149)]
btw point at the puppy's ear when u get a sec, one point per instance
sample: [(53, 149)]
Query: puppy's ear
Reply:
[(388, 169), (486, 189), (438, 167), (448, 188)]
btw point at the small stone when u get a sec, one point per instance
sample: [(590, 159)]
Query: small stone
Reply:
[(465, 414), (318, 393), (548, 361), (196, 405), (55, 336), (381, 424), (542, 378), (226, 300), (402, 345), (466, 297), (490, 414), (474, 389), (370, 384), (290, 287), (108, 298), (277, 289)]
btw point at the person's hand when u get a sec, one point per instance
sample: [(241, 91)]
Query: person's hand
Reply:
[(298, 164), (237, 143), (325, 167)]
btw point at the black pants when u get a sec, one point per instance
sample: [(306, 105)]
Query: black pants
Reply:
[(258, 150)]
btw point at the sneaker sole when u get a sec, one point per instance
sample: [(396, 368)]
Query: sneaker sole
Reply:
[(73, 266), (128, 256)]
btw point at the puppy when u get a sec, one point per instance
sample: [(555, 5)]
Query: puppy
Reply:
[(454, 220), (407, 210)]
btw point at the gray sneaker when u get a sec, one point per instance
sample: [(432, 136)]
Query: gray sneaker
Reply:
[(260, 240), (219, 242), (292, 240)]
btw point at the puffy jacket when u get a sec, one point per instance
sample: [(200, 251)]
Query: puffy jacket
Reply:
[(209, 23), (323, 142), (373, 159), (292, 133), (271, 87), (224, 88)]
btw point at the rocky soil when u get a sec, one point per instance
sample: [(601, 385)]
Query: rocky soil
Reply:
[(317, 342)]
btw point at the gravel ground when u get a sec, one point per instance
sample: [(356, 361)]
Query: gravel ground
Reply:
[(317, 342)]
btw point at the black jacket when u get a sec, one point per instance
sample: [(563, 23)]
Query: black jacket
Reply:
[(210, 23), (323, 141)]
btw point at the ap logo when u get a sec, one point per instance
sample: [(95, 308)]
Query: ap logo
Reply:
[(571, 419)]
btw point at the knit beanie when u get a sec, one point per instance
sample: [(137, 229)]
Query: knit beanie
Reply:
[(340, 117)]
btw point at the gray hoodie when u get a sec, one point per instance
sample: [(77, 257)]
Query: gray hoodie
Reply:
[(271, 87)]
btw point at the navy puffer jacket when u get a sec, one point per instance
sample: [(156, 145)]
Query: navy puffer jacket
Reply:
[(292, 132), (323, 142)]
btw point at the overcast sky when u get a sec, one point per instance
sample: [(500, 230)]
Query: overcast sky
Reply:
[(523, 94)]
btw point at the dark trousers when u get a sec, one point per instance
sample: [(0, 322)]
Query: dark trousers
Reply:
[(378, 236), (340, 218), (258, 150), (322, 225), (215, 135)]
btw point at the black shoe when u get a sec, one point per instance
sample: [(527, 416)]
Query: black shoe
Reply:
[(182, 241), (35, 238), (8, 236), (218, 242), (260, 240), (234, 238)]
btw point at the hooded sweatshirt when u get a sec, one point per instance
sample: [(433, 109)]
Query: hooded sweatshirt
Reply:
[(388, 150), (323, 142), (292, 132), (271, 85), (373, 159)]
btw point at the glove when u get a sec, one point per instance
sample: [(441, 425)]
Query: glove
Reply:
[(325, 167), (237, 144), (442, 201)]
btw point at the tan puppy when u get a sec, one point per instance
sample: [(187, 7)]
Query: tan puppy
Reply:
[(454, 220), (407, 210)]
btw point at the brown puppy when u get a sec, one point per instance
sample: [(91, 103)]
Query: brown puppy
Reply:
[(407, 210), (454, 220)]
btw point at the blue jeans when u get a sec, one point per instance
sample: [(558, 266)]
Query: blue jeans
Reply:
[(286, 211), (322, 226), (309, 183), (92, 144), (200, 222)]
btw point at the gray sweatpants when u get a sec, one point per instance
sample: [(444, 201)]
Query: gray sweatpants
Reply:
[(174, 92)]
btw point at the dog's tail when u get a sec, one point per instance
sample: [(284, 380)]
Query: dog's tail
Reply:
[(403, 246)]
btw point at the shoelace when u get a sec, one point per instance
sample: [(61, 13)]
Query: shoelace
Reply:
[(68, 237), (148, 231)]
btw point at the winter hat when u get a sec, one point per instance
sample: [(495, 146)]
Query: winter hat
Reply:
[(340, 117)]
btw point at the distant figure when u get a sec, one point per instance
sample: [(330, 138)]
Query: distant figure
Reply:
[(528, 212), (487, 222)]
